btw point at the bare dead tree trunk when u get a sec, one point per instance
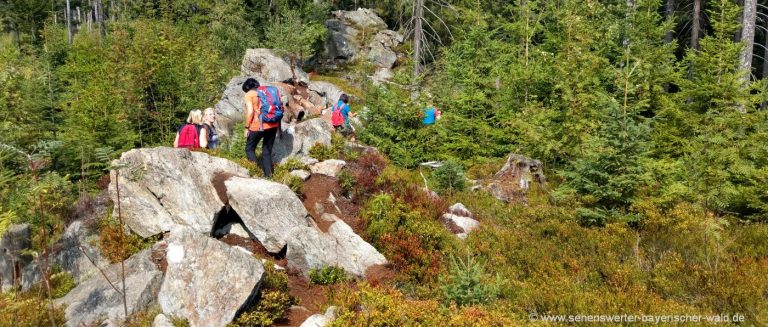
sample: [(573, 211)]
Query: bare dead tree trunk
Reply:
[(112, 11), (79, 19), (765, 53), (527, 14), (89, 19), (748, 36), (69, 25), (765, 60), (695, 31), (669, 11), (628, 17), (100, 20), (696, 24), (418, 34)]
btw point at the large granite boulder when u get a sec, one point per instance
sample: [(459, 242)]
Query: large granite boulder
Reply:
[(361, 34), (207, 281), (267, 66), (515, 178), (309, 247), (345, 31), (96, 301), (12, 261), (324, 94), (164, 187), (382, 53), (76, 253), (298, 139), (229, 110), (269, 210)]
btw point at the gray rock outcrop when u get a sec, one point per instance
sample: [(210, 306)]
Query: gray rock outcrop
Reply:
[(162, 320), (207, 281), (461, 219), (298, 139), (323, 94), (300, 173), (362, 34), (382, 53), (269, 210), (309, 247), (330, 167), (267, 66), (12, 261), (229, 110), (320, 320), (96, 301), (170, 186), (76, 253)]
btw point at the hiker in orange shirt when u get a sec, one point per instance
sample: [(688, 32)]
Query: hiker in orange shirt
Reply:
[(264, 110)]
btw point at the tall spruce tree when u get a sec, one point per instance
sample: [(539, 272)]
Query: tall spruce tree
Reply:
[(715, 157)]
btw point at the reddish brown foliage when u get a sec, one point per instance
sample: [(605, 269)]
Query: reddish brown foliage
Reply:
[(365, 172), (408, 254)]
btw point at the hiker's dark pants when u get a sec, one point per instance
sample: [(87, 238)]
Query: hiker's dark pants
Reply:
[(266, 148)]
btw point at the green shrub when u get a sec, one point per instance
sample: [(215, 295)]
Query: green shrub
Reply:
[(589, 217), (61, 283), (109, 241), (143, 318), (271, 306), (29, 309), (468, 283), (338, 144), (450, 177), (322, 152), (273, 302), (273, 279), (382, 215), (282, 174), (384, 307), (146, 317), (291, 164), (412, 242), (346, 182), (327, 275)]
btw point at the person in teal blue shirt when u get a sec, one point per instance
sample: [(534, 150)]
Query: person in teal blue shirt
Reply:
[(431, 114), (340, 117)]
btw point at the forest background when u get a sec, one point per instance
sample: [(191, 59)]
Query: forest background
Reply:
[(650, 117)]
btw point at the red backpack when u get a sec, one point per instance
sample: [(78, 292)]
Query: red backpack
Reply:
[(337, 119), (189, 137)]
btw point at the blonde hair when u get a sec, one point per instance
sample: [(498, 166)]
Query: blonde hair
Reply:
[(208, 110), (195, 117)]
